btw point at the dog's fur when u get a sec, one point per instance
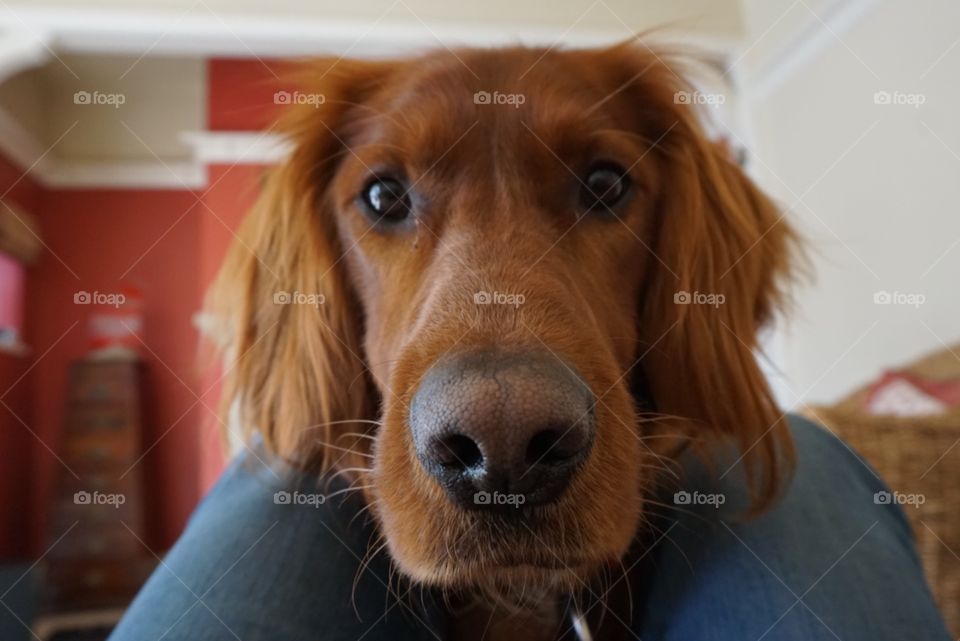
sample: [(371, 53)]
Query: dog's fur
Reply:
[(330, 386)]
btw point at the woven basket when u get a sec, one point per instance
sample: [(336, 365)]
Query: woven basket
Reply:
[(916, 455)]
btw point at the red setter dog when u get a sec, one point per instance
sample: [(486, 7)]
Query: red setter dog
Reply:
[(502, 361)]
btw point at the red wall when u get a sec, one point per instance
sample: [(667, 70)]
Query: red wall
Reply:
[(241, 94), (168, 243), (17, 489), (151, 239), (232, 191)]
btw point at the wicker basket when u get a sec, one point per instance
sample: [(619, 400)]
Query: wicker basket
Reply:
[(916, 455)]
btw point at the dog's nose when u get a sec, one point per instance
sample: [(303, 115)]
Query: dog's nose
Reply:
[(502, 428)]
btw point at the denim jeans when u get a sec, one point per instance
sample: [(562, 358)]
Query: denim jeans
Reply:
[(258, 562)]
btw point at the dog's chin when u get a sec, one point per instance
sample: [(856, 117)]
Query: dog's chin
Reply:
[(507, 580), (546, 549), (511, 571)]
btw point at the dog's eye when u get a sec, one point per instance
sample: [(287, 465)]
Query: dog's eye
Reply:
[(387, 199), (604, 187)]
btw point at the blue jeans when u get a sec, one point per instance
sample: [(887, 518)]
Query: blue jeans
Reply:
[(827, 562)]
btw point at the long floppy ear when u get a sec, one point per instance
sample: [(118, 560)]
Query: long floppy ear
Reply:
[(722, 253), (296, 373)]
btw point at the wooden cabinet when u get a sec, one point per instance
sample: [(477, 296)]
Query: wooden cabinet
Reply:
[(97, 536)]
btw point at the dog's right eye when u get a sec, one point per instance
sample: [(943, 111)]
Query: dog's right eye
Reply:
[(387, 199)]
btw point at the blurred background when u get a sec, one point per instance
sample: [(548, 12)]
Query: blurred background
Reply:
[(132, 137)]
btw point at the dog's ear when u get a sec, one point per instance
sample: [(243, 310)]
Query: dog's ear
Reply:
[(291, 325), (715, 273)]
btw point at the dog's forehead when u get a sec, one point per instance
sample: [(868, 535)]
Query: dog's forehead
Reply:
[(499, 84), (503, 98)]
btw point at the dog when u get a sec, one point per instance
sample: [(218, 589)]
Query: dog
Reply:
[(533, 280)]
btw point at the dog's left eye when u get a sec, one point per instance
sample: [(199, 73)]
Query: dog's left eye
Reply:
[(387, 199), (604, 187)]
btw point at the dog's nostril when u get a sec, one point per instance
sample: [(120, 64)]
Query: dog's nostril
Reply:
[(457, 451), (552, 446)]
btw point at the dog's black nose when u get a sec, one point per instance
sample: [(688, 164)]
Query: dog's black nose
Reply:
[(502, 429)]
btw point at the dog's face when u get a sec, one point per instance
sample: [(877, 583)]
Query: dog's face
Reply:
[(518, 251)]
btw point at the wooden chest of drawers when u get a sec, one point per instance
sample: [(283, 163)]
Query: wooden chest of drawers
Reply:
[(99, 555)]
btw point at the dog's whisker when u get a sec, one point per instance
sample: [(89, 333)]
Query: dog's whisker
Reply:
[(372, 541), (659, 468), (665, 535), (346, 450), (674, 508), (651, 417), (365, 511), (372, 551), (348, 490), (347, 470), (348, 421), (654, 437), (371, 437), (348, 474)]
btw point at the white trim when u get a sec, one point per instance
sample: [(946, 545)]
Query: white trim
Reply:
[(23, 149), (236, 147), (838, 19), (177, 33), (19, 145), (133, 174), (209, 148), (20, 51)]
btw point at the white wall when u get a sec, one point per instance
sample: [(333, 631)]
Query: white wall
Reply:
[(874, 187)]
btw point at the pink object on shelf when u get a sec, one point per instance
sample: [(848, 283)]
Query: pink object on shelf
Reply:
[(116, 323), (902, 394), (11, 292)]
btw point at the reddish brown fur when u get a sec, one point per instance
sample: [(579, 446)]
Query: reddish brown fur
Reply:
[(498, 182)]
